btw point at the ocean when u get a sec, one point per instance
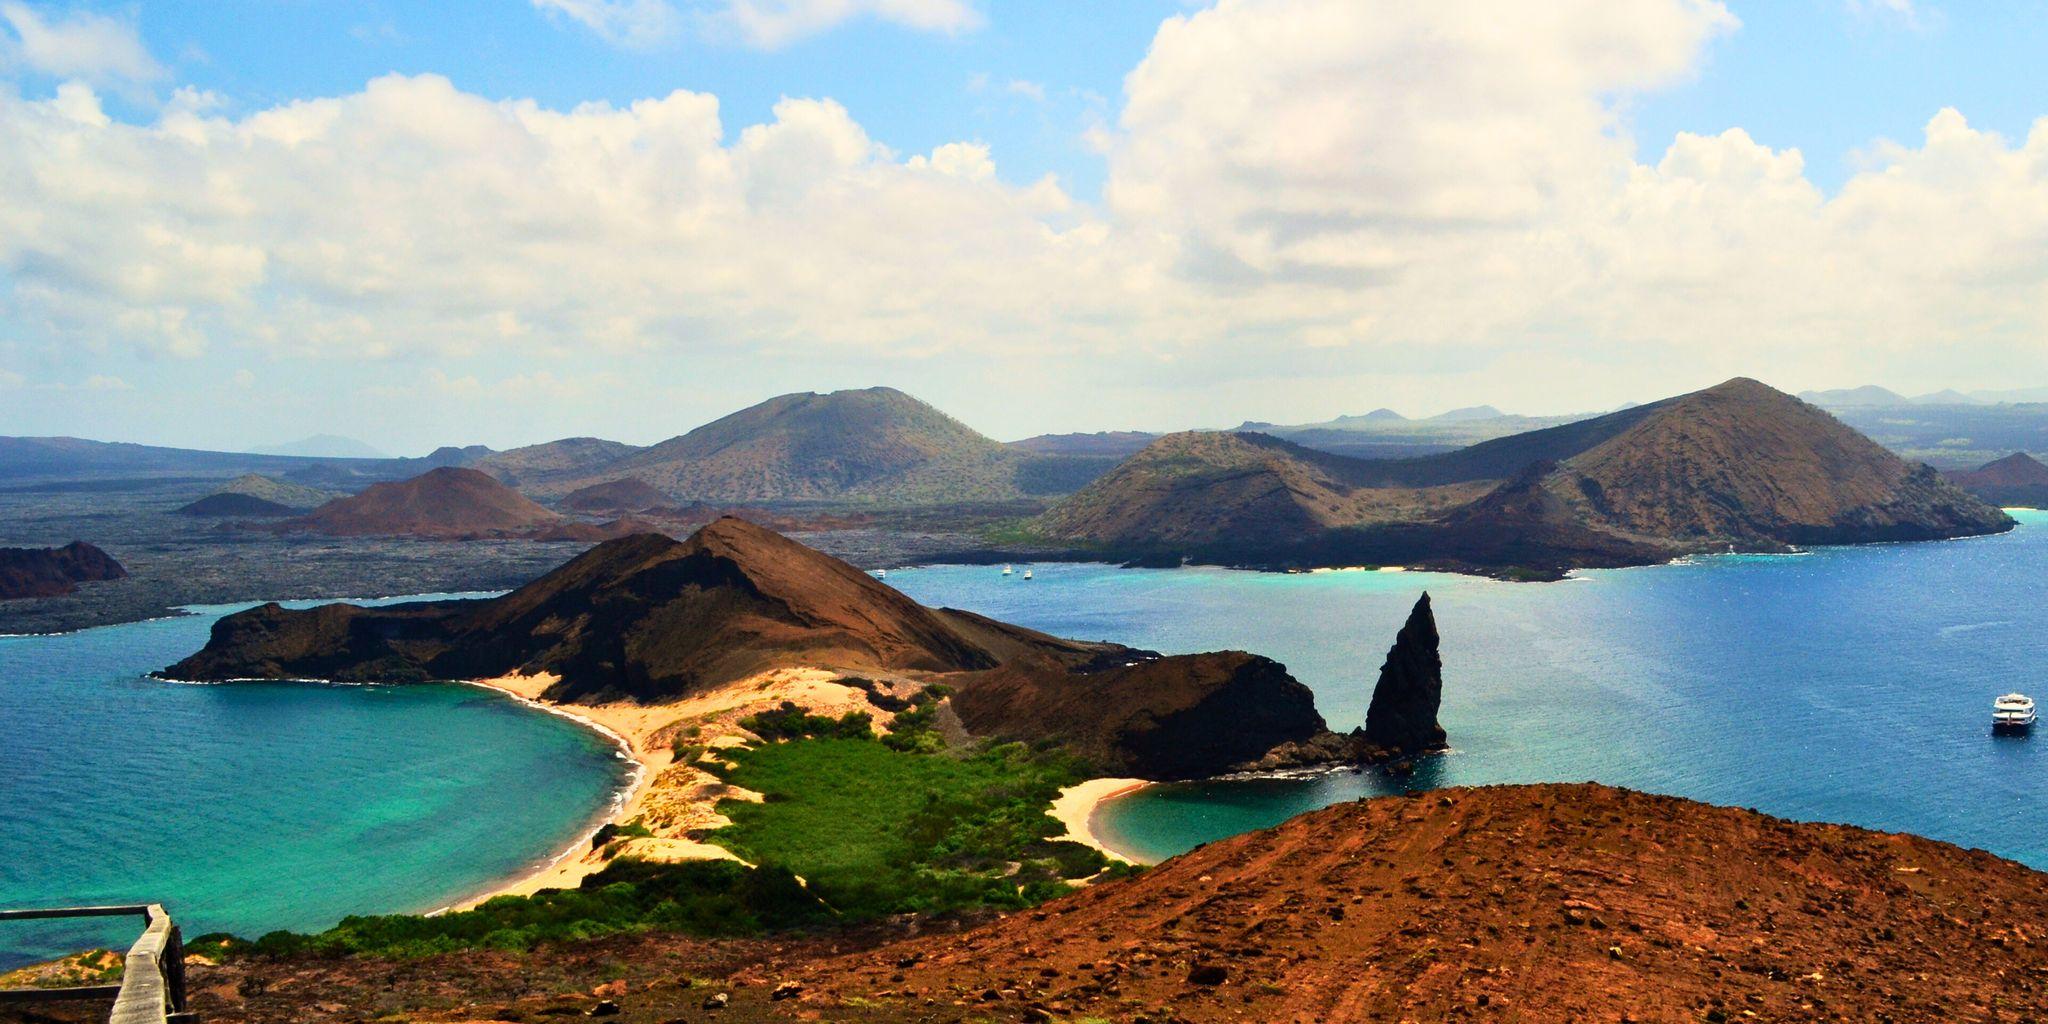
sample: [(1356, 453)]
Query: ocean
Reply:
[(1844, 684), (248, 807)]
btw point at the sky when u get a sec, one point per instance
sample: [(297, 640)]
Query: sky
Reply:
[(239, 222)]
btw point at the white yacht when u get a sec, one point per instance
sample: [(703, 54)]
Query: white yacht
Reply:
[(1027, 574), (881, 574), (2013, 712), (1008, 570)]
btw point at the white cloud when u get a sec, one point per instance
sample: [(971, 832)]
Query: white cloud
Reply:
[(10, 379), (1901, 12), (1306, 203), (636, 24), (104, 382), (79, 45), (771, 24), (982, 82)]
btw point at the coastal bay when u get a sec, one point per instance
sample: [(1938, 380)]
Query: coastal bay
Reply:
[(255, 806), (1841, 684)]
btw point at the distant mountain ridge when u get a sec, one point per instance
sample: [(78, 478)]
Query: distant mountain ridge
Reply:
[(322, 446), (1737, 465), (873, 445)]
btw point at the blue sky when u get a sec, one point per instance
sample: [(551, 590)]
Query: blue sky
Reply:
[(1275, 209)]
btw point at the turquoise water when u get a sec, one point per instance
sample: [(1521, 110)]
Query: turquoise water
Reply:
[(254, 806), (1847, 684)]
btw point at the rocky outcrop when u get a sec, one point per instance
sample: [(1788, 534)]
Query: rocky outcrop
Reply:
[(654, 620), (1402, 719), (1155, 717), (49, 572)]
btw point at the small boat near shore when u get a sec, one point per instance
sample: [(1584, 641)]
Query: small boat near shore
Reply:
[(2012, 713)]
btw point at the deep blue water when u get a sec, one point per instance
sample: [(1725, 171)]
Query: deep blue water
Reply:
[(248, 807), (1847, 684)]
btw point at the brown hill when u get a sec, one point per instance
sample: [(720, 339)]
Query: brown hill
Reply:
[(623, 495), (449, 503), (1738, 464), (653, 620), (537, 464), (1204, 487), (1746, 464), (49, 572), (1549, 903), (877, 444), (2016, 480)]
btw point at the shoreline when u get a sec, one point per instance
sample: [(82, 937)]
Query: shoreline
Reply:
[(565, 869), (676, 801), (1077, 805)]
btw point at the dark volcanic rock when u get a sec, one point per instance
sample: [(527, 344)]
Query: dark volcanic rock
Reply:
[(1402, 718), (653, 620), (48, 572), (225, 505), (1162, 718), (624, 495)]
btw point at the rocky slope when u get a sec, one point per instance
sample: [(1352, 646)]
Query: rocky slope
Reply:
[(877, 444), (536, 464), (1736, 465), (1202, 487), (450, 503), (1531, 903), (653, 620), (49, 572), (2018, 480)]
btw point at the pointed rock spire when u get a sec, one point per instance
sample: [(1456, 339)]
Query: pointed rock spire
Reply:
[(1402, 718)]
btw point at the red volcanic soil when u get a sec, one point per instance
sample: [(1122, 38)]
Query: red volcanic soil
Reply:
[(1539, 904), (450, 503), (49, 572), (1527, 903)]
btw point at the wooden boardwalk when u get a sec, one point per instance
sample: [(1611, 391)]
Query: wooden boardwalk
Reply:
[(152, 988)]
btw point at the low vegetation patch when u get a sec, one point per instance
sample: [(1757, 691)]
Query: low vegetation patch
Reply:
[(873, 826), (891, 827), (711, 898)]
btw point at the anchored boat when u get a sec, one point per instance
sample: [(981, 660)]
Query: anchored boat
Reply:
[(2012, 713)]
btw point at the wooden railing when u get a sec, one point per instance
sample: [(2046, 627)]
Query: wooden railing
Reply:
[(152, 988)]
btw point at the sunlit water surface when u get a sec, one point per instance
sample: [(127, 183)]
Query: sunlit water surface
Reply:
[(1847, 684), (248, 807)]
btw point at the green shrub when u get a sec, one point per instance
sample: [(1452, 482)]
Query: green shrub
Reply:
[(790, 722), (712, 898), (878, 830)]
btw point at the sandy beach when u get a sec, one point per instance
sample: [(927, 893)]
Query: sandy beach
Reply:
[(1075, 808), (677, 802)]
